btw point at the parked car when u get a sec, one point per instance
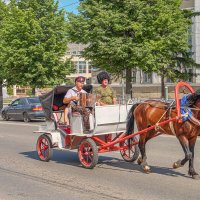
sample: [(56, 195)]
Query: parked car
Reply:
[(25, 108)]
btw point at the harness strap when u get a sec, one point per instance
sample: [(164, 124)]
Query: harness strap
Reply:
[(171, 125), (75, 101), (195, 121)]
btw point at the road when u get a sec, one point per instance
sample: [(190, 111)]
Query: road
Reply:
[(23, 176)]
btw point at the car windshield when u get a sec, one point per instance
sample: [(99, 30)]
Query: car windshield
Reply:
[(33, 100)]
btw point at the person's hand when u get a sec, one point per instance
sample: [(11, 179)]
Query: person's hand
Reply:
[(76, 98), (102, 104)]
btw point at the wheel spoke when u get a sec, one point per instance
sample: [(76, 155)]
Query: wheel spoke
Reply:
[(132, 151), (91, 158)]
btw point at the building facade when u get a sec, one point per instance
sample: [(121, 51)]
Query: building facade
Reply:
[(81, 65)]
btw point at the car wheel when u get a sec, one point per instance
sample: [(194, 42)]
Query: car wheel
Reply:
[(5, 116), (26, 118)]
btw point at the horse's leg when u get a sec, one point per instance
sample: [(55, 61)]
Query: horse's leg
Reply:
[(188, 155), (142, 123), (191, 171), (143, 159)]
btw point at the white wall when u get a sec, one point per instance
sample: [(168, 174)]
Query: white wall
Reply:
[(5, 93)]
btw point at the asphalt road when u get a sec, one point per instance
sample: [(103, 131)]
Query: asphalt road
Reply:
[(23, 176)]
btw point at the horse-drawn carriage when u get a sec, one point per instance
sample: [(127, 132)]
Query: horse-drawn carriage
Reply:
[(111, 128), (93, 129)]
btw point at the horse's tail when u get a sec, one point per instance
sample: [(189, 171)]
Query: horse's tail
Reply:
[(130, 120)]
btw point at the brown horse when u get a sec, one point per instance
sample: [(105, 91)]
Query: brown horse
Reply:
[(152, 112)]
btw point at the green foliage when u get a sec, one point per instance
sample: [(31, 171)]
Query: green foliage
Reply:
[(3, 12), (126, 34), (29, 92), (10, 90), (184, 62), (35, 41)]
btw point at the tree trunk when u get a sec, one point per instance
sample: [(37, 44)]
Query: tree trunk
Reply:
[(129, 82), (162, 86), (33, 91), (1, 94)]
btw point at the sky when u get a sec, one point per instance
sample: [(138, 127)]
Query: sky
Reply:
[(69, 5)]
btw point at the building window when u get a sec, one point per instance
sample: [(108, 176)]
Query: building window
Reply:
[(169, 80), (80, 66), (73, 52), (75, 66), (147, 78), (79, 52)]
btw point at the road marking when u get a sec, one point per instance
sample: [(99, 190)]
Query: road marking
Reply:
[(18, 123)]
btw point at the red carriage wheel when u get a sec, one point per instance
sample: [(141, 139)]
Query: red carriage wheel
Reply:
[(130, 151), (44, 148), (88, 153)]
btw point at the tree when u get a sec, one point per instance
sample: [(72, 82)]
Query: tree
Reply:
[(35, 43), (3, 12), (125, 34)]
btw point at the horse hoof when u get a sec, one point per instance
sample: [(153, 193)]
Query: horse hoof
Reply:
[(139, 161), (147, 169), (196, 177), (177, 164)]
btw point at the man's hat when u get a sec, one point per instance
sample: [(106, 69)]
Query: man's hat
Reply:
[(80, 79), (102, 76)]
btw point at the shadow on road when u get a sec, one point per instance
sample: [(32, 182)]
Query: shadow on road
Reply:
[(133, 167), (105, 162)]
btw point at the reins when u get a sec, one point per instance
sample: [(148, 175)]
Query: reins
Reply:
[(170, 106)]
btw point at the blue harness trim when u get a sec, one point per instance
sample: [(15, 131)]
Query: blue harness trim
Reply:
[(184, 110)]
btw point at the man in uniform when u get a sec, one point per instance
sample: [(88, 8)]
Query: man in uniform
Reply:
[(105, 94), (72, 96)]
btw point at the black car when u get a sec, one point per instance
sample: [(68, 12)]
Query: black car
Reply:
[(26, 109)]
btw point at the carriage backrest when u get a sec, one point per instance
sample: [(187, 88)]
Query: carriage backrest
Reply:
[(111, 114), (111, 118)]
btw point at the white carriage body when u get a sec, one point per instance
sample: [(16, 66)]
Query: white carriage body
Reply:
[(107, 119)]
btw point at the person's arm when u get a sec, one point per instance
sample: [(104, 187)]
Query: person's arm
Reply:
[(98, 96), (69, 97), (68, 100), (114, 98)]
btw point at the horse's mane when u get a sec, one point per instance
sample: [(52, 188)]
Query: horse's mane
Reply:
[(192, 98)]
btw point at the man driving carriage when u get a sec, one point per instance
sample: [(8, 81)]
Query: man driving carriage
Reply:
[(72, 96)]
